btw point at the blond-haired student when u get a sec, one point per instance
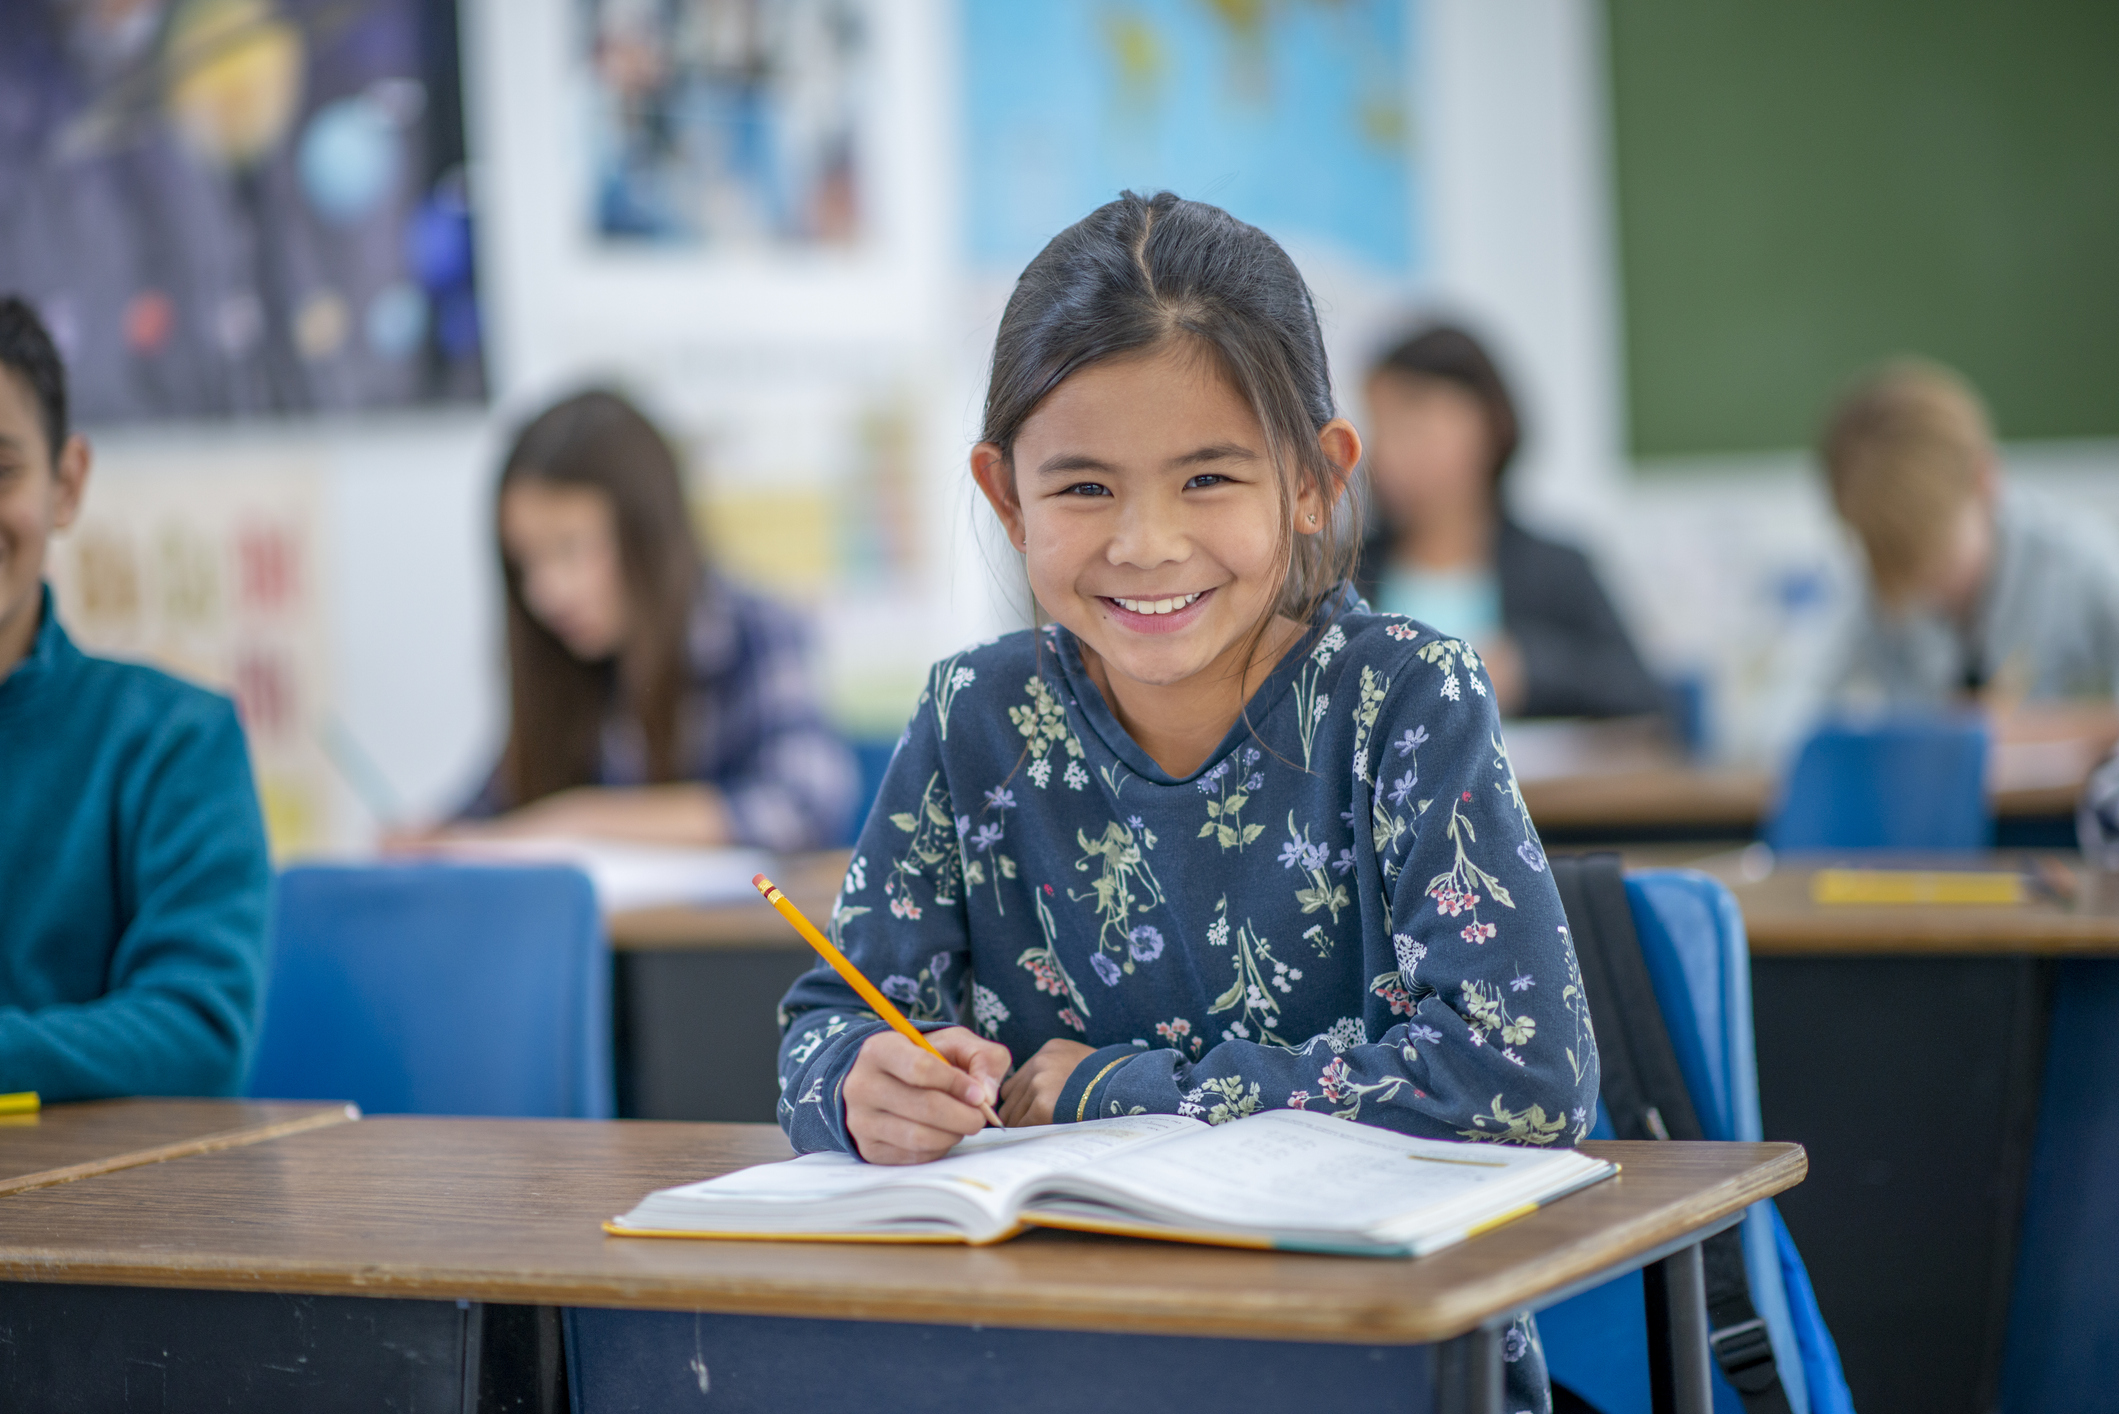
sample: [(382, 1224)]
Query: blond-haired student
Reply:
[(1977, 589)]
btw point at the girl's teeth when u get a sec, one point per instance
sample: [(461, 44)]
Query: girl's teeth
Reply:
[(1156, 606)]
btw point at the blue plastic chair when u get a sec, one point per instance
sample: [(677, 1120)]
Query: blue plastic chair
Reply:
[(2064, 1316), (1906, 783), (1692, 938), (873, 755), (432, 988)]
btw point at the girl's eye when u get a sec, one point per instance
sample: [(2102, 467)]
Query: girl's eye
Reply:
[(1205, 479), (1086, 488)]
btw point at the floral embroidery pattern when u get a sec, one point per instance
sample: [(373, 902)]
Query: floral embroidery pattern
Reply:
[(1258, 973), (1044, 725), (1000, 800), (1373, 690), (1309, 706), (1043, 963), (1502, 1125), (1176, 1033), (920, 996), (1230, 1100), (1299, 853), (1228, 791), (949, 678), (931, 853), (1124, 887)]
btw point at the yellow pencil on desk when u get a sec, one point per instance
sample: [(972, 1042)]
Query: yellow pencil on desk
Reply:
[(877, 1002), (22, 1102)]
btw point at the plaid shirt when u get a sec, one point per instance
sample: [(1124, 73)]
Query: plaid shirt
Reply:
[(752, 729)]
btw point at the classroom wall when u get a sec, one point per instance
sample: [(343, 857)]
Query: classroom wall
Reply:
[(1729, 568)]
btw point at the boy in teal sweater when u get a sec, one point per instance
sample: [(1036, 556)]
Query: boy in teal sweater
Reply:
[(133, 874)]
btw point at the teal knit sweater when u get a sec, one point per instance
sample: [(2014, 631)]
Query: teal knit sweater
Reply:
[(134, 881)]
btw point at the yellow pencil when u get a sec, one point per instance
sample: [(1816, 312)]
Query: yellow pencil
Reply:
[(22, 1102), (877, 1002)]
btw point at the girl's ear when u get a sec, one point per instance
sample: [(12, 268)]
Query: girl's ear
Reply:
[(996, 478), (1341, 446)]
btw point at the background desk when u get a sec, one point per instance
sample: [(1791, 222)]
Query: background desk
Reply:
[(1903, 1046), (436, 1212)]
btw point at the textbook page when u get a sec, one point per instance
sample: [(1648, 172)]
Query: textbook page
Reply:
[(1291, 1173), (972, 1189)]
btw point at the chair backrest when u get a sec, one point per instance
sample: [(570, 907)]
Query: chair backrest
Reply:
[(431, 988), (1906, 783), (1692, 939), (872, 755)]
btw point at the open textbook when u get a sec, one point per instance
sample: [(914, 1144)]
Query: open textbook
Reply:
[(1283, 1179)]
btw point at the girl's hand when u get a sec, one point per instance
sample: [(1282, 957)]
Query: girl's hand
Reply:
[(1027, 1097), (905, 1107)]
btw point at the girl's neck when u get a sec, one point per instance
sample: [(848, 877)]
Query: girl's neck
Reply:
[(1450, 537), (1180, 723)]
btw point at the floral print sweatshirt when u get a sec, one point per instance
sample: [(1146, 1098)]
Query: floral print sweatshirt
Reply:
[(1345, 910)]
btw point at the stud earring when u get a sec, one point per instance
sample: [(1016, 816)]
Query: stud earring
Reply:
[(1313, 520)]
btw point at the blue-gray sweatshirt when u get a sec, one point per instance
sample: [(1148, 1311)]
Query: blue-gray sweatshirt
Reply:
[(1344, 910), (134, 881)]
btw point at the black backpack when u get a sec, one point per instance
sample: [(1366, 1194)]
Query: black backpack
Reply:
[(1644, 1095)]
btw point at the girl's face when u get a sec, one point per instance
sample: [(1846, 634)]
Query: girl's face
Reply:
[(1429, 448), (563, 541), (1147, 505)]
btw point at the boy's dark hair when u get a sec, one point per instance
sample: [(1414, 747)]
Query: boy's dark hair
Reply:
[(26, 347), (1451, 355), (1140, 271)]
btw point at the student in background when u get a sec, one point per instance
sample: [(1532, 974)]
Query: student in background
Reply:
[(1975, 588), (1443, 431), (1215, 839), (650, 700), (133, 870)]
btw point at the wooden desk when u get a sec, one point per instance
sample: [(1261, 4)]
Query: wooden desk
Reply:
[(68, 1142), (1903, 1046), (441, 1211), (2075, 916)]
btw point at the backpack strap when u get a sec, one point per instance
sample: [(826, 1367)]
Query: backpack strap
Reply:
[(1643, 1093)]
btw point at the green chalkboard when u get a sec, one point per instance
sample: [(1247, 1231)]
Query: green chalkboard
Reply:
[(1808, 186)]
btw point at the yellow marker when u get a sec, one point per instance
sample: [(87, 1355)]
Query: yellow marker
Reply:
[(1962, 886), (22, 1102), (877, 1002)]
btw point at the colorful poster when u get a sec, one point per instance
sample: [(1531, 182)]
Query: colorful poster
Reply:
[(230, 207), (1293, 114), (726, 121), (212, 574)]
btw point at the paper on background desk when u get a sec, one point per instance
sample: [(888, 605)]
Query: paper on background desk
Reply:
[(631, 876)]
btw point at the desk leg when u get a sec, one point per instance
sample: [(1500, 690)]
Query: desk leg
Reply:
[(1468, 1374), (1676, 1294)]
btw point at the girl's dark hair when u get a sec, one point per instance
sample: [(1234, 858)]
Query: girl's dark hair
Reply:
[(1141, 271), (556, 701), (26, 347), (1451, 355)]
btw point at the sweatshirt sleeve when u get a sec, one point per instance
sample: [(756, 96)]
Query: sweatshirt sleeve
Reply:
[(900, 918), (1472, 1022), (181, 1012)]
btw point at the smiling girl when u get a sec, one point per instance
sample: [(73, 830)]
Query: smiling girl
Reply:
[(1215, 838)]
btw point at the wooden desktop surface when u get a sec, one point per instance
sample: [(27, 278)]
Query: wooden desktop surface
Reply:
[(509, 1211), (2071, 911), (67, 1142)]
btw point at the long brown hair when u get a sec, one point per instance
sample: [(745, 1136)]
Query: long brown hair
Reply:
[(1141, 271), (556, 701)]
